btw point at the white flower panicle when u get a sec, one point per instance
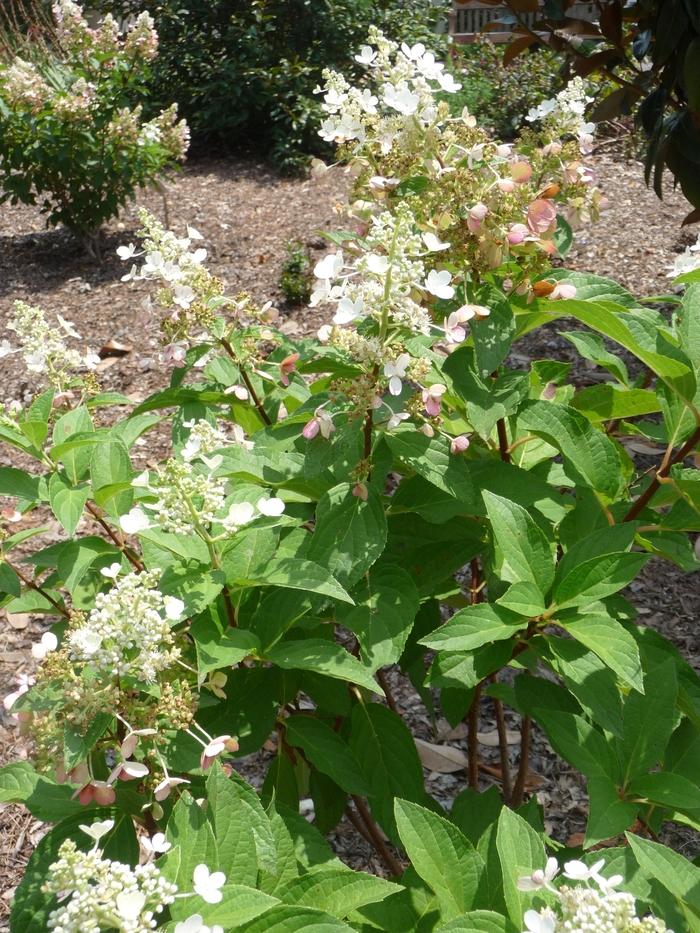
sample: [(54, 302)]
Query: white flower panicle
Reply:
[(128, 633), (203, 439), (43, 346), (587, 908), (185, 497), (404, 81), (565, 114), (687, 261), (383, 279), (97, 894), (24, 86)]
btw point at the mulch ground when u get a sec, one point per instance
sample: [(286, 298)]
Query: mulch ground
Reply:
[(247, 215)]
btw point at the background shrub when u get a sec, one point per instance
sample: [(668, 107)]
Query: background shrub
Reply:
[(244, 72), (500, 95), (71, 139)]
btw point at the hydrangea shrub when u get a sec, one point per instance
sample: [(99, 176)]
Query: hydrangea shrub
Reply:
[(396, 492), (72, 137)]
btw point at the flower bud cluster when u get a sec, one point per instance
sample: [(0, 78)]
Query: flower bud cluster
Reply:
[(23, 86), (406, 79), (184, 497), (189, 291), (139, 44), (128, 633), (43, 346), (564, 115), (587, 908), (384, 277), (97, 894), (169, 132)]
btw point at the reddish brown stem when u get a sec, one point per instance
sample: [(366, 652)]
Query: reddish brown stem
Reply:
[(502, 744), (384, 684), (248, 384), (359, 825), (126, 551), (475, 595), (37, 589), (473, 739), (230, 611), (367, 433), (523, 765), (641, 503), (378, 840), (503, 440)]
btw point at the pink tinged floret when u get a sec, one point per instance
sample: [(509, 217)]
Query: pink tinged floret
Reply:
[(311, 429), (476, 217), (541, 215), (521, 172), (517, 234), (459, 444), (287, 366), (563, 290)]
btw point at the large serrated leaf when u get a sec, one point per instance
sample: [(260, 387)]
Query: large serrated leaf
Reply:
[(442, 855)]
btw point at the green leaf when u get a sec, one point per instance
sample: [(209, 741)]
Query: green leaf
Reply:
[(327, 751), (386, 605), (591, 347), (473, 627), (594, 579), (588, 452), (197, 590), (323, 657), (386, 752), (689, 323), (521, 852), (624, 328), (524, 554), (649, 720), (442, 855), (580, 743), (338, 891), (611, 642), (240, 904), (350, 534), (608, 815), (235, 812), (525, 599), (675, 872), (18, 483), (297, 574), (590, 680), (478, 921), (456, 669), (286, 919), (431, 459), (44, 798), (189, 829), (216, 649), (76, 421), (667, 790), (67, 501), (78, 744), (608, 402), (493, 336), (110, 466)]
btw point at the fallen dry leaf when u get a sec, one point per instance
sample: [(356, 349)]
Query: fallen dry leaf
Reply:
[(491, 738), (441, 758), (18, 620)]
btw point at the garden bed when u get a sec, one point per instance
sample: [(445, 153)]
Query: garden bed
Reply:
[(247, 215)]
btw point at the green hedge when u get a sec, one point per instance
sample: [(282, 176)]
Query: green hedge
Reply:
[(244, 72)]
